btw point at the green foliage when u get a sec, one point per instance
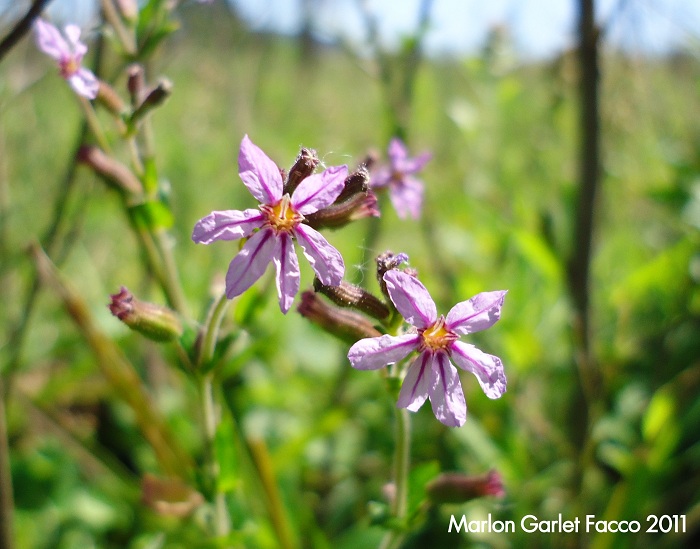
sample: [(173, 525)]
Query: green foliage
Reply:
[(499, 198)]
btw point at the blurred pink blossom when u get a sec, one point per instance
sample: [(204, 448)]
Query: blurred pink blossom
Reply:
[(405, 190), (69, 55)]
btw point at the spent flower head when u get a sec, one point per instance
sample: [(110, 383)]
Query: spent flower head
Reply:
[(272, 227), (405, 190), (436, 339), (69, 53)]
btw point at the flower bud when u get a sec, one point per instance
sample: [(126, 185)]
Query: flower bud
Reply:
[(114, 172), (458, 488), (337, 215), (135, 83), (346, 325), (303, 167), (110, 100), (169, 496), (129, 10), (349, 295), (356, 182), (154, 98), (386, 262), (153, 321)]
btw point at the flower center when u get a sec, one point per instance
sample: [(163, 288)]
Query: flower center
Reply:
[(281, 217), (397, 177), (69, 66), (437, 337)]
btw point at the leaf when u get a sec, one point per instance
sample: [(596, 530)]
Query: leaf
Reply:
[(418, 478), (153, 215), (660, 428)]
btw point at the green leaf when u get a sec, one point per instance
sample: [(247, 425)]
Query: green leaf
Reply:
[(153, 215), (229, 469), (417, 480), (660, 428)]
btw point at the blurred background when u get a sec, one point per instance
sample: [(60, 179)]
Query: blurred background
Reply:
[(599, 333)]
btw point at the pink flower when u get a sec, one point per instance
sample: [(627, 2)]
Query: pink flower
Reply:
[(432, 375), (272, 226), (69, 55), (405, 191)]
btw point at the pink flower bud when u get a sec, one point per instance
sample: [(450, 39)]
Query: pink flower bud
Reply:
[(153, 321)]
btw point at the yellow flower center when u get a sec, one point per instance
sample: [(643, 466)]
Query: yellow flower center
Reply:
[(69, 67), (437, 337), (281, 217)]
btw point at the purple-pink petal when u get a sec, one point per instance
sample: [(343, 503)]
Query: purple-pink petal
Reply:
[(84, 83), (287, 266), (407, 197), (412, 165), (488, 369), (381, 177), (319, 190), (376, 352), (325, 260), (50, 41), (250, 263), (446, 395), (227, 225), (414, 389), (478, 313), (397, 150), (78, 49), (260, 174), (411, 298)]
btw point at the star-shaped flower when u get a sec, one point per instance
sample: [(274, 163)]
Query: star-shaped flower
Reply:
[(69, 55), (405, 190), (432, 375), (271, 227)]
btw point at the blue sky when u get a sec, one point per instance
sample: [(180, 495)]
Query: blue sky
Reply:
[(538, 27)]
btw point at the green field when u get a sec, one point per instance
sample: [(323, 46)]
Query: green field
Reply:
[(305, 442)]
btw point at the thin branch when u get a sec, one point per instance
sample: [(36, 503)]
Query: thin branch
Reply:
[(22, 27)]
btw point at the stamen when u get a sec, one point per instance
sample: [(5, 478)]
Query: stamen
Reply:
[(281, 217), (437, 337)]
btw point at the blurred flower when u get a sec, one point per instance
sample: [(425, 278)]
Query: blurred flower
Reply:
[(405, 191), (458, 487), (432, 374), (69, 55), (272, 226), (169, 496)]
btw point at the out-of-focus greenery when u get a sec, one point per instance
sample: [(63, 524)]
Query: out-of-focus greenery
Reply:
[(499, 196)]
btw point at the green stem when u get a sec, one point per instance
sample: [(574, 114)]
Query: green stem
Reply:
[(171, 278), (94, 124), (7, 505), (211, 336), (126, 37), (220, 524), (402, 455)]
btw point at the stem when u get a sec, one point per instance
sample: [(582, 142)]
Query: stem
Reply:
[(6, 500), (94, 124), (216, 315), (220, 526), (171, 278), (22, 27), (126, 38), (402, 455), (579, 278)]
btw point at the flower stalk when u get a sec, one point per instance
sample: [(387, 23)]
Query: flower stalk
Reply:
[(220, 524)]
